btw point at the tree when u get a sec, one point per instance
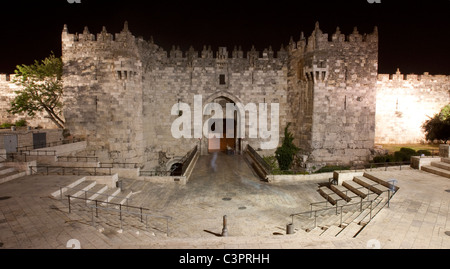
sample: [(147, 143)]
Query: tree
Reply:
[(438, 127), (41, 89), (285, 154)]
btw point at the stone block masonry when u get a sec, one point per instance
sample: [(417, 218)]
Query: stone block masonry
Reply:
[(119, 91), (405, 102), (7, 94)]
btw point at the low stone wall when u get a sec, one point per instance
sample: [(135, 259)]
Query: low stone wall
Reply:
[(342, 176), (417, 161), (67, 148), (165, 179), (109, 181), (131, 173), (21, 166), (444, 151), (299, 178)]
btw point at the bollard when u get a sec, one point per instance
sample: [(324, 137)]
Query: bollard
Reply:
[(290, 228), (225, 230)]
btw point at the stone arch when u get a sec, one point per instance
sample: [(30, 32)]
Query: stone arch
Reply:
[(232, 98), (174, 161)]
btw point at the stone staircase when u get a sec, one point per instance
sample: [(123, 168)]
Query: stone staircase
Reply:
[(107, 219), (441, 168), (347, 207), (9, 173), (90, 190)]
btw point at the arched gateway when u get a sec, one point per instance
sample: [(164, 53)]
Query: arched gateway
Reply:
[(227, 129)]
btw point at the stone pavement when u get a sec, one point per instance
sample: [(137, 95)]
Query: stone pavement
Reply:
[(257, 212)]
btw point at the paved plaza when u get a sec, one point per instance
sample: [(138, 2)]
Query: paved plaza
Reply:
[(257, 213)]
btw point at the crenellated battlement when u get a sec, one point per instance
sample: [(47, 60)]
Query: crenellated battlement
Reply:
[(398, 76), (106, 40), (7, 77), (319, 40)]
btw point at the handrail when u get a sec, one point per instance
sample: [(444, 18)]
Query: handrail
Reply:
[(260, 160), (342, 206), (86, 191), (70, 170), (389, 191), (50, 144), (118, 165), (141, 214), (186, 160), (77, 158)]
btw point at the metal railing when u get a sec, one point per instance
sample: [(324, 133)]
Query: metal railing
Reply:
[(22, 156), (78, 158), (50, 144), (121, 211), (119, 165), (390, 193), (186, 160), (109, 197), (370, 202), (155, 173), (259, 159), (61, 170)]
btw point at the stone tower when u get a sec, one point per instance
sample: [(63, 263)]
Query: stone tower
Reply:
[(332, 87), (103, 92)]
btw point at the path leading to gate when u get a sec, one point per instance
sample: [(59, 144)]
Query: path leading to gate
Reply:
[(225, 185)]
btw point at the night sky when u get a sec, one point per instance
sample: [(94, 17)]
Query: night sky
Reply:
[(414, 35)]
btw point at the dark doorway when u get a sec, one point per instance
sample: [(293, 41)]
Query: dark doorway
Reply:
[(39, 140), (176, 169)]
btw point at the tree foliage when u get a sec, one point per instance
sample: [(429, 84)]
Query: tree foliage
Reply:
[(438, 127), (41, 89), (285, 154)]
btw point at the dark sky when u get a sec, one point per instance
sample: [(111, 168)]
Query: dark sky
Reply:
[(414, 35)]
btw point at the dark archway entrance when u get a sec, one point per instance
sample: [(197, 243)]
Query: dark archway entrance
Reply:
[(176, 169), (230, 144)]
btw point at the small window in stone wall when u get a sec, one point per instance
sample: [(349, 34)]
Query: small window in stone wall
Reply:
[(222, 79), (119, 74)]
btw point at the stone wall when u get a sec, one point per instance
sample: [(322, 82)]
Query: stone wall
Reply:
[(333, 83), (405, 102), (119, 91), (7, 94)]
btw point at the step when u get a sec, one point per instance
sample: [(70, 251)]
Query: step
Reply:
[(342, 191), (79, 190), (356, 188), (108, 195), (380, 181), (442, 165), (331, 220), (6, 170), (435, 170), (122, 197), (96, 191), (349, 218), (376, 207), (350, 230), (329, 195), (445, 160), (57, 194), (332, 231), (316, 231), (370, 184), (12, 175)]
